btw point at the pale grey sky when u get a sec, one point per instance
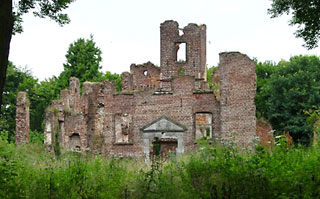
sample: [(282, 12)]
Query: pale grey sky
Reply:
[(128, 31)]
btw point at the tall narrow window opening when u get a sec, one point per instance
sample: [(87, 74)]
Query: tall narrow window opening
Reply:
[(181, 52), (203, 123)]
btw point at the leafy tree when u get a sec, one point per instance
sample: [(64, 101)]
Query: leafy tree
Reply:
[(41, 97), (11, 19), (18, 80), (83, 61), (293, 88), (305, 14), (264, 71)]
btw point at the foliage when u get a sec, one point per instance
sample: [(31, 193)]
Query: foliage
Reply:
[(36, 137), (210, 72), (83, 61), (115, 78), (305, 14), (40, 95), (40, 8), (292, 89), (213, 171), (17, 80), (44, 92), (181, 71), (11, 20), (264, 71)]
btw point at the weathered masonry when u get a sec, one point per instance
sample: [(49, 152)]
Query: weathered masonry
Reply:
[(160, 109), (22, 118)]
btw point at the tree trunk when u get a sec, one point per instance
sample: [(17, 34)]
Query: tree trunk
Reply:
[(6, 28)]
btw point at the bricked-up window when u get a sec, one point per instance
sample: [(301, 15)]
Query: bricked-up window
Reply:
[(203, 123), (181, 52)]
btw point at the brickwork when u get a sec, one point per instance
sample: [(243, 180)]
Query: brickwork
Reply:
[(22, 118), (237, 92), (265, 133), (172, 100), (145, 76), (194, 37)]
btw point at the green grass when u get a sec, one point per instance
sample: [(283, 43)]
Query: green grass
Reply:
[(212, 171)]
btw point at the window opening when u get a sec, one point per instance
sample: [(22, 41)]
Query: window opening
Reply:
[(203, 123), (181, 52)]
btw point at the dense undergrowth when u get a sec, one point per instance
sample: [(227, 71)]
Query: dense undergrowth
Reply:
[(211, 172)]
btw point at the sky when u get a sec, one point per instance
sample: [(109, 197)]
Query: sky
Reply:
[(128, 31)]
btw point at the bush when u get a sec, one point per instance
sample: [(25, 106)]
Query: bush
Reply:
[(213, 171)]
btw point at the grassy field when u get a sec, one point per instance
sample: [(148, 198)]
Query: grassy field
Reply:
[(211, 172)]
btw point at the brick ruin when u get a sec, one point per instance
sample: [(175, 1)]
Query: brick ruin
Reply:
[(22, 118), (160, 109)]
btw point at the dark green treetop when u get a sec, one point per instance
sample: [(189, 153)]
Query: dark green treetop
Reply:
[(305, 14), (83, 61)]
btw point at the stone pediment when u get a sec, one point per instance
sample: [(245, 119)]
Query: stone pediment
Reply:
[(163, 124)]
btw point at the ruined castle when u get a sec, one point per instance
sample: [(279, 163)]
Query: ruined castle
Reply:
[(160, 109)]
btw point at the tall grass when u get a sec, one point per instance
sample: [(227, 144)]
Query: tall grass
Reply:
[(212, 171)]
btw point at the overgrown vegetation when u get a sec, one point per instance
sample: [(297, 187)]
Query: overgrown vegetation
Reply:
[(212, 171), (285, 91)]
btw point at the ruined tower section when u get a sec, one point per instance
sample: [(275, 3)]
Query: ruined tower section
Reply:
[(183, 52), (22, 118), (237, 93)]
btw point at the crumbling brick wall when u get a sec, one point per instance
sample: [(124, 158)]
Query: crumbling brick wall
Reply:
[(194, 38), (145, 76), (116, 123), (22, 118), (237, 92), (265, 133)]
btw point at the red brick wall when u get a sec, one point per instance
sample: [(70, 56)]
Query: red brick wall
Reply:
[(237, 89), (95, 114)]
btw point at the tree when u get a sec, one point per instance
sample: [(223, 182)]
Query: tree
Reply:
[(292, 89), (305, 14), (264, 72), (11, 20), (40, 98), (83, 61), (18, 80)]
